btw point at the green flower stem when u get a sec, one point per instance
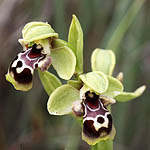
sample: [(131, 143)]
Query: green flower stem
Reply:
[(73, 140), (103, 145)]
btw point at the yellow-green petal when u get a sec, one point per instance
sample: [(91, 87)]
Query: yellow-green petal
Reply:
[(37, 31), (115, 87), (61, 100), (96, 81), (126, 96), (75, 40), (103, 60), (49, 81), (64, 62), (74, 83), (56, 43)]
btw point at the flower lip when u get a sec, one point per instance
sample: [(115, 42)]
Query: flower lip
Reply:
[(97, 120), (90, 127), (31, 57), (20, 72), (25, 77)]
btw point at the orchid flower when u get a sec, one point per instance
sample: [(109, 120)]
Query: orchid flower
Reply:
[(41, 48), (87, 96)]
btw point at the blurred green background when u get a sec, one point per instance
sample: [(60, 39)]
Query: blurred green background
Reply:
[(121, 25)]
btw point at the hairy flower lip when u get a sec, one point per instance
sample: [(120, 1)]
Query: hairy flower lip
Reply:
[(97, 120), (21, 69)]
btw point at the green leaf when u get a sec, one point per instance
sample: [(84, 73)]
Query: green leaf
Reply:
[(103, 60), (61, 100), (64, 62), (96, 81), (115, 87), (49, 81), (126, 96), (75, 39), (74, 83)]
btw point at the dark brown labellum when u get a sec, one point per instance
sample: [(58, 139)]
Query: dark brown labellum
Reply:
[(97, 120), (22, 67)]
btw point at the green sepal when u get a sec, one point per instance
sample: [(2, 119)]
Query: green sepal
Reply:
[(18, 86), (126, 96), (96, 81), (64, 62), (115, 87), (75, 40), (103, 60), (61, 100), (34, 31), (74, 83), (49, 81), (58, 43)]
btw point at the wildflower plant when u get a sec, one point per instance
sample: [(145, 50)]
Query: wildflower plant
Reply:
[(87, 96)]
